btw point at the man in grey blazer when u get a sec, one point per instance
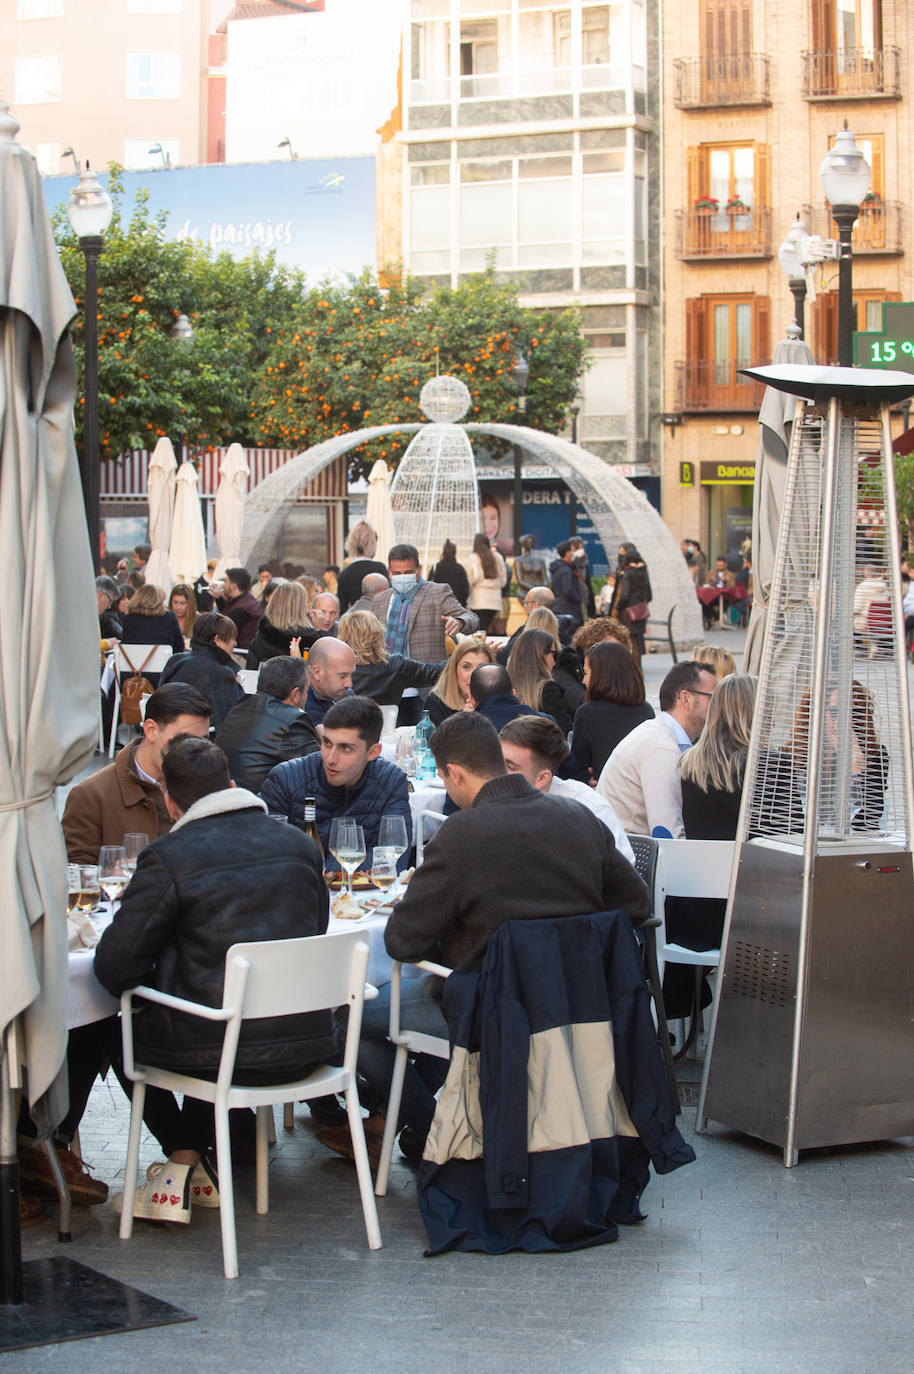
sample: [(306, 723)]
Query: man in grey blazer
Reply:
[(418, 614)]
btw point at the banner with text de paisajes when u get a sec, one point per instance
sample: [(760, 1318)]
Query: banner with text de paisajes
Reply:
[(317, 215), (727, 474)]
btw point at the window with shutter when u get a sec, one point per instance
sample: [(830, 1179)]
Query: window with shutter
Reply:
[(724, 333), (867, 315), (728, 200), (847, 43), (726, 29)]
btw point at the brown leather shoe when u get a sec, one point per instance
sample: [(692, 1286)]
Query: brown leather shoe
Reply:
[(85, 1191), (338, 1139)]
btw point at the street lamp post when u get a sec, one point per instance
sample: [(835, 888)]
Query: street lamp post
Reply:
[(845, 176), (521, 375), (89, 211), (575, 409), (793, 269)]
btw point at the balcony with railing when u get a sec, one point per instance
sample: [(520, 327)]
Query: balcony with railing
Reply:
[(705, 385), (711, 82), (852, 74), (734, 230), (878, 228)]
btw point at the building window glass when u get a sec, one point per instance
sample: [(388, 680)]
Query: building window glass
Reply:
[(39, 9), (429, 70), (603, 203), (39, 80), (723, 334), (605, 411), (47, 155), (153, 75), (153, 6)]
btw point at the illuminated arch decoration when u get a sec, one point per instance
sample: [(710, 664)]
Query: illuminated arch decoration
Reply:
[(619, 511)]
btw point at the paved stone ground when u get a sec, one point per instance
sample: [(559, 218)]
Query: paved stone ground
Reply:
[(742, 1266)]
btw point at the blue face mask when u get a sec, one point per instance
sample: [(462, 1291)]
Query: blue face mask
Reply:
[(403, 583)]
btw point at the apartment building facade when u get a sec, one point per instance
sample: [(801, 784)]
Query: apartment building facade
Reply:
[(754, 92), (530, 136)]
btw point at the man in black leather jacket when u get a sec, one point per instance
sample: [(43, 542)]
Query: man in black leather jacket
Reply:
[(269, 726), (225, 873)]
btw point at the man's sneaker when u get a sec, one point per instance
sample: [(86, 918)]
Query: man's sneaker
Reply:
[(412, 1145), (166, 1197), (34, 1168), (204, 1182)]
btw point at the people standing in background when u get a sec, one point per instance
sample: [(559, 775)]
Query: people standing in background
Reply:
[(567, 584), (361, 547), (452, 572), (486, 573), (632, 597)]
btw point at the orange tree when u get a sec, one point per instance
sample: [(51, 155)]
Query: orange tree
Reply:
[(148, 384), (355, 355)]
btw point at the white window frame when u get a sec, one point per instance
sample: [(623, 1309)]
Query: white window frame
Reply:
[(39, 9), (55, 60), (133, 78)]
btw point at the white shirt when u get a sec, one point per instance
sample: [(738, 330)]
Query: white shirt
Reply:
[(640, 779), (580, 792)]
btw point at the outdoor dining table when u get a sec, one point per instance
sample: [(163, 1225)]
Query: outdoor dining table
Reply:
[(722, 595), (88, 1001)]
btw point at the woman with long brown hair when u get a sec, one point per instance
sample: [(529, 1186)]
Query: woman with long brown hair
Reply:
[(530, 670), (451, 692), (184, 604), (487, 574), (615, 704)]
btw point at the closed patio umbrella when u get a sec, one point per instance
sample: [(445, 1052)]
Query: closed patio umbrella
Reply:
[(49, 664), (233, 485), (160, 493), (187, 552), (379, 510)]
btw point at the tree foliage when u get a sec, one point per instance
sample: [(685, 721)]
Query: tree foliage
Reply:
[(276, 362), (358, 355), (904, 491)]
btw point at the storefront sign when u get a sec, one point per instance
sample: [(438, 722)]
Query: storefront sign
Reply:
[(687, 474), (727, 474)]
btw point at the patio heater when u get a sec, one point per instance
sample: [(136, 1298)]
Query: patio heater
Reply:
[(812, 1041)]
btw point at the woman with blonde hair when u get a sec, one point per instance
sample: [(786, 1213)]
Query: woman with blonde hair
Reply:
[(717, 658), (149, 622), (382, 676), (184, 604), (712, 774), (541, 618), (487, 574), (530, 670), (450, 693), (284, 620), (361, 547)]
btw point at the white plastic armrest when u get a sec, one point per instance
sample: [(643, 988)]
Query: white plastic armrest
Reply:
[(429, 967), (165, 999), (371, 992)]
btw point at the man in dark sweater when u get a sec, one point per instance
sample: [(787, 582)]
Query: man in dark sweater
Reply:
[(481, 870), (240, 606)]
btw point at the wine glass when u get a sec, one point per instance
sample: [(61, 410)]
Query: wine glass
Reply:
[(383, 866), (404, 753), (89, 890), (393, 839), (347, 844), (134, 844), (73, 888), (113, 876)]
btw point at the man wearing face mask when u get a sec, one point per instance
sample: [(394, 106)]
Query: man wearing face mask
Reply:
[(418, 614)]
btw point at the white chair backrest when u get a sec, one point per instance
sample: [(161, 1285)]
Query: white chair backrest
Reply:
[(427, 825), (390, 718), (696, 868), (248, 678), (137, 654), (285, 977)]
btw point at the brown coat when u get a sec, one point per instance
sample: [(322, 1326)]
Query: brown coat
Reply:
[(109, 805)]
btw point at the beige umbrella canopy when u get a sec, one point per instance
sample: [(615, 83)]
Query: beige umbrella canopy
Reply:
[(233, 485), (160, 493), (379, 510), (187, 552), (49, 650)]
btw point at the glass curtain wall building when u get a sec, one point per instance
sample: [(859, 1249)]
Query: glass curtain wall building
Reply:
[(531, 138)]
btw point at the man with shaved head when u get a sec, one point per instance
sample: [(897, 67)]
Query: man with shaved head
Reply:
[(372, 585), (332, 664), (536, 596)]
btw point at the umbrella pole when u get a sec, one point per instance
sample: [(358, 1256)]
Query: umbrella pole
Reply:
[(10, 1238)]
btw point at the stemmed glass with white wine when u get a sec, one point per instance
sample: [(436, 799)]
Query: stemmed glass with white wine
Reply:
[(134, 844), (347, 845), (393, 840), (113, 876)]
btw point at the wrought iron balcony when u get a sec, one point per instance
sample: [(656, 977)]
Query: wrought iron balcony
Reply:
[(738, 232), (709, 82), (877, 229), (852, 74), (704, 385)]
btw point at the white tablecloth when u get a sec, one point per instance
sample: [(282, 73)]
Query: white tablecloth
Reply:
[(88, 1001)]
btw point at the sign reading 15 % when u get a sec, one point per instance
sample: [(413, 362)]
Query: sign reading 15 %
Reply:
[(893, 345)]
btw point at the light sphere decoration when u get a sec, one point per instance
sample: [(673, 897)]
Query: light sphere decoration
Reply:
[(445, 400)]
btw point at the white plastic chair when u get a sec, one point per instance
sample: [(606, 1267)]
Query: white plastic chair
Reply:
[(143, 658), (422, 838), (390, 718), (248, 677), (691, 868), (266, 978), (407, 1042)]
